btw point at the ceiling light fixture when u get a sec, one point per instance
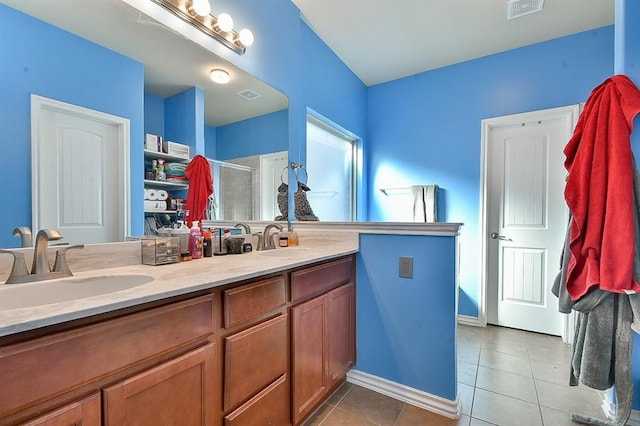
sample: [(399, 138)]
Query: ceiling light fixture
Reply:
[(219, 76), (196, 13)]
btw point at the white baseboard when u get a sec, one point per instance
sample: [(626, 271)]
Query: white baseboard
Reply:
[(469, 320), (434, 403)]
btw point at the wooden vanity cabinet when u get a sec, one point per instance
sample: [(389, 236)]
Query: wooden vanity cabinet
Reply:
[(323, 332), (262, 352)]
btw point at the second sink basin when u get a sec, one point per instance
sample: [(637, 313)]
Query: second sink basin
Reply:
[(14, 296)]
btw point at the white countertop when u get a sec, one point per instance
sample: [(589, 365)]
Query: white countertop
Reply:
[(177, 279)]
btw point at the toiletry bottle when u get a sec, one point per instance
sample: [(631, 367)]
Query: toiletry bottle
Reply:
[(195, 241), (207, 244), (293, 238)]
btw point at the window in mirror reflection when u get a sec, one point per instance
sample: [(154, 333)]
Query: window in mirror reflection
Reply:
[(331, 171)]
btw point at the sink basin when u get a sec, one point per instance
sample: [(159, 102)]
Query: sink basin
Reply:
[(283, 252), (14, 296)]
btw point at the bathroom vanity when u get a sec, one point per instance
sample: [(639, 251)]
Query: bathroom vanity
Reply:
[(260, 348)]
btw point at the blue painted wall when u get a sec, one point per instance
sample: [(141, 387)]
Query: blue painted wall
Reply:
[(426, 128), (407, 327), (153, 114), (40, 59), (184, 119), (255, 136), (210, 141)]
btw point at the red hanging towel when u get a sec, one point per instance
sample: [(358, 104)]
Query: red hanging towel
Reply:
[(599, 191), (200, 187)]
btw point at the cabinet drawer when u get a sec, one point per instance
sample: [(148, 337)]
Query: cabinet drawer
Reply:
[(320, 279), (269, 407), (251, 300), (254, 358), (45, 367)]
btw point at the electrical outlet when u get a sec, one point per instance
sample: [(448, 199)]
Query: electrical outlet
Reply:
[(406, 267)]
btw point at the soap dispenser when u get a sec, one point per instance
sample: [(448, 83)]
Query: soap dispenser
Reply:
[(195, 241)]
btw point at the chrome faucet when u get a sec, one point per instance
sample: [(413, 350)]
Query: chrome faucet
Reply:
[(24, 232), (268, 242), (40, 263), (246, 227), (41, 268)]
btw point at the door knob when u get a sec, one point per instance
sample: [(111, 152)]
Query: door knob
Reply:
[(495, 236)]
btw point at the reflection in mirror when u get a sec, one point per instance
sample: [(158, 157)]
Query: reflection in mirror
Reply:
[(171, 65)]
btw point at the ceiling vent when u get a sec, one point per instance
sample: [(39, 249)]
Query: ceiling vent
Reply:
[(249, 94), (518, 8)]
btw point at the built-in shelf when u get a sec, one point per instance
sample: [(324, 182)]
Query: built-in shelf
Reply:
[(160, 211), (152, 155), (165, 185)]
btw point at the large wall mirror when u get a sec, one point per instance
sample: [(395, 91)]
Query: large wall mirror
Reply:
[(246, 120)]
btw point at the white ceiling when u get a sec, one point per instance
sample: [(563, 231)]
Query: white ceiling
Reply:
[(382, 40), (379, 40)]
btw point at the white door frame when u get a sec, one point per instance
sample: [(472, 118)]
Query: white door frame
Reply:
[(571, 112), (38, 105)]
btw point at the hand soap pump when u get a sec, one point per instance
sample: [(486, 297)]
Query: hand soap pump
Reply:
[(195, 241)]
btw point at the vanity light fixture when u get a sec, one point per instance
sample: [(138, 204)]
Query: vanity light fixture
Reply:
[(219, 76), (196, 13)]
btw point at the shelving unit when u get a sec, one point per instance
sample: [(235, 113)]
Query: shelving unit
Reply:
[(158, 184)]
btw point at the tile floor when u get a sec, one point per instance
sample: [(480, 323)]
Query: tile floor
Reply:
[(505, 377)]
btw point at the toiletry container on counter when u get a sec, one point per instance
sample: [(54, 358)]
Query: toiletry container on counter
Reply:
[(195, 241)]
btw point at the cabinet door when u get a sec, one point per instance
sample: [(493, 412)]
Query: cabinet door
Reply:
[(340, 332), (86, 412), (309, 356), (178, 392)]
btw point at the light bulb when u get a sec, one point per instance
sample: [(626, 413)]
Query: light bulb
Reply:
[(219, 76), (201, 7), (225, 23), (246, 37)]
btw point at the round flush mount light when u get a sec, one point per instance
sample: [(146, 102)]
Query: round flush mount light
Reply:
[(219, 76), (201, 7)]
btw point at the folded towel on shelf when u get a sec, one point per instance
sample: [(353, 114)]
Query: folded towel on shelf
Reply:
[(425, 207)]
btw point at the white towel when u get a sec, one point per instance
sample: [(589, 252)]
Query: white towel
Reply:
[(425, 207)]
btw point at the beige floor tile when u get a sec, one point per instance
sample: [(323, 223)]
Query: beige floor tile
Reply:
[(339, 393), (505, 362), (339, 417), (377, 408), (504, 410), (553, 417), (569, 399), (467, 373), (478, 422), (511, 347), (556, 355), (554, 373), (318, 416), (466, 397), (412, 416), (505, 383), (469, 354), (506, 333)]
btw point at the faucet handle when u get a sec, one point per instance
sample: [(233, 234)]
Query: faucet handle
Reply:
[(19, 268), (61, 264)]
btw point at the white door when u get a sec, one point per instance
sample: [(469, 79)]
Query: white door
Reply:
[(526, 217), (79, 176)]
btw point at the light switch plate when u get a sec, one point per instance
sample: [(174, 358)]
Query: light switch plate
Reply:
[(406, 267)]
